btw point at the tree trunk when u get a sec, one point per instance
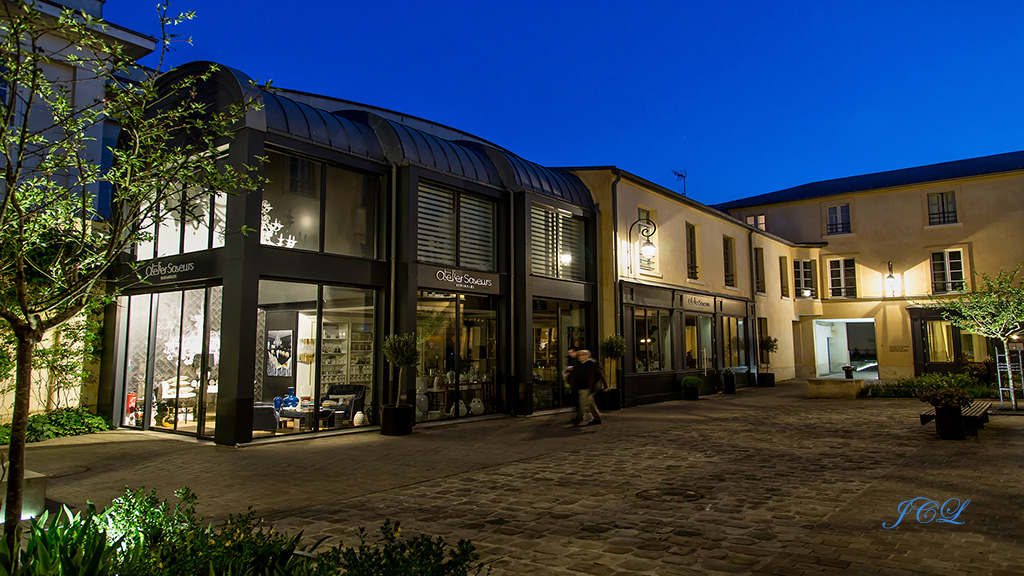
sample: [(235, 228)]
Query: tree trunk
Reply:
[(1009, 374), (16, 452)]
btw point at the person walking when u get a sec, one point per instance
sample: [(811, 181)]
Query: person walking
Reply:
[(585, 379)]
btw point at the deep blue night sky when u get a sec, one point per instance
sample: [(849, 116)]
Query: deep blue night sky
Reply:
[(747, 97)]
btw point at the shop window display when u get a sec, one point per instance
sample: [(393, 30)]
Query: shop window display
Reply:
[(456, 375), (314, 363)]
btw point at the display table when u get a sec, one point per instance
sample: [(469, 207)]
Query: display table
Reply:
[(304, 416)]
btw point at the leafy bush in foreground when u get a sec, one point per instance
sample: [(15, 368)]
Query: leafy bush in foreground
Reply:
[(57, 424), (140, 535)]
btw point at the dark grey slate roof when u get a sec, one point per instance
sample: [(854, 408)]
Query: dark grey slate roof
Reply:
[(521, 175), (304, 122), (994, 164), (282, 115), (406, 145)]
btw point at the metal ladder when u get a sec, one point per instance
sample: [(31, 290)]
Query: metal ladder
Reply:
[(1009, 364)]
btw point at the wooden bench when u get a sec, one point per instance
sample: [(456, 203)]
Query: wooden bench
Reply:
[(975, 416)]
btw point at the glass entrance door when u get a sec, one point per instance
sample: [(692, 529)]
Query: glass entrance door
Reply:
[(171, 361), (699, 343), (556, 327), (457, 374)]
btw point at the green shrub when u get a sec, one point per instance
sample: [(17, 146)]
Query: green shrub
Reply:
[(690, 382), (57, 424), (61, 544), (911, 387), (420, 555)]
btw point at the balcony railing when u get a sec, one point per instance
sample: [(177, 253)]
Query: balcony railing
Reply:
[(839, 228), (944, 217)]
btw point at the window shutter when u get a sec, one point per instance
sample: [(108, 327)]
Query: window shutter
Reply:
[(542, 249), (435, 241), (476, 233), (572, 243)]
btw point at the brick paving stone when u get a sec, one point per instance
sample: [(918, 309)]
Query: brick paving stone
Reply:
[(788, 486)]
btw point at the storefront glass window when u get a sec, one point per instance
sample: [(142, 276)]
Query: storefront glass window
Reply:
[(455, 228), (699, 349), (940, 341), (291, 203), (556, 244), (734, 342), (171, 360), (136, 359), (457, 372), (976, 348), (323, 375), (653, 335), (556, 327), (351, 213)]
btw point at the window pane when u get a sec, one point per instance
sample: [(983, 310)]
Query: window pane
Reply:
[(643, 343), (291, 203), (220, 218), (136, 359), (571, 255), (169, 230), (476, 233), (197, 225), (351, 213), (940, 341)]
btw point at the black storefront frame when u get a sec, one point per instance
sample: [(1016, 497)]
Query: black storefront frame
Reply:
[(651, 387), (919, 318)]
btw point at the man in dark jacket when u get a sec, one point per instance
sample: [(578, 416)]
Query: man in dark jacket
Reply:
[(585, 379)]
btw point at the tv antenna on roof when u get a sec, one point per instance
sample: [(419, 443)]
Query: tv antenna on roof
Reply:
[(681, 175)]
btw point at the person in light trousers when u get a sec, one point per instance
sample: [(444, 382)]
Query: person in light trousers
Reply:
[(585, 379)]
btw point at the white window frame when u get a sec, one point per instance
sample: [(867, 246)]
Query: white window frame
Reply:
[(840, 226), (803, 279), (952, 281), (758, 221), (843, 286)]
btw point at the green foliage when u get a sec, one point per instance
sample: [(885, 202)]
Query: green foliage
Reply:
[(401, 349), (995, 309), (914, 386), (942, 396), (420, 555), (141, 535), (690, 382), (613, 347), (58, 424), (60, 545)]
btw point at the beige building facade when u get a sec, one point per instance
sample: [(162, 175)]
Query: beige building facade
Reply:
[(890, 243)]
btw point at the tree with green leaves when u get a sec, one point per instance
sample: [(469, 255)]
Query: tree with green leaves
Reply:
[(994, 309), (59, 244)]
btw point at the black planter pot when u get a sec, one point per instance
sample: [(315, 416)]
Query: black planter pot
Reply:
[(949, 422), (397, 420), (608, 399), (729, 383), (691, 393), (766, 380)]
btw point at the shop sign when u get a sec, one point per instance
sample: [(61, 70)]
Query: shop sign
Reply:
[(178, 269), (733, 308), (698, 303), (899, 348), (451, 279), (162, 272)]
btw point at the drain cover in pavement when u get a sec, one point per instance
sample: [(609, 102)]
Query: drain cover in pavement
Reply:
[(670, 495)]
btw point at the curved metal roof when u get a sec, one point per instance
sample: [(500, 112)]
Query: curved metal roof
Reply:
[(406, 145), (305, 122), (278, 114), (520, 175), (363, 133)]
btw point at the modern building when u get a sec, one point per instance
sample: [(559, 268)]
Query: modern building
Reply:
[(891, 243), (369, 225)]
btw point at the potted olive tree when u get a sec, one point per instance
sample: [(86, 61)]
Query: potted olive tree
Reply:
[(948, 398), (768, 346), (612, 349), (691, 387), (400, 350)]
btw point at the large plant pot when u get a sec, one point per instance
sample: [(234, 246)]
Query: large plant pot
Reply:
[(949, 422), (608, 399), (397, 420), (691, 393), (729, 383), (766, 380)]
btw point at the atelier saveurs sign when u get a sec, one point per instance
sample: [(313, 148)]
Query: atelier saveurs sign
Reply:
[(174, 270), (460, 280)]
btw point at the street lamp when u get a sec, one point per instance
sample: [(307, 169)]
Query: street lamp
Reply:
[(890, 283), (647, 249)]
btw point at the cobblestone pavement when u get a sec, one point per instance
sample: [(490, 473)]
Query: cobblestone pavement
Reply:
[(763, 482)]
